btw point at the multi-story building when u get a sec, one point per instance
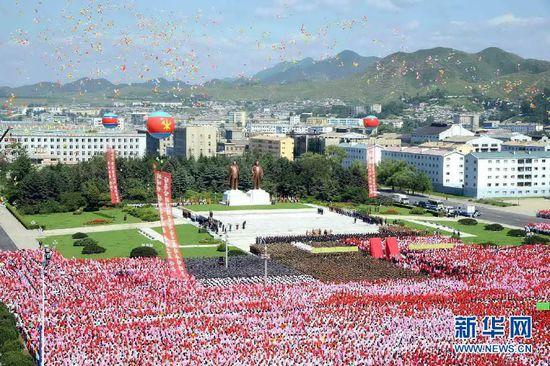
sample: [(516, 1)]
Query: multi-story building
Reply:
[(360, 153), (507, 174), (275, 128), (478, 143), (376, 108), (438, 132), (239, 118), (445, 168), (470, 120), (522, 127), (49, 147), (277, 145), (316, 121), (542, 145), (345, 122), (235, 148), (195, 141)]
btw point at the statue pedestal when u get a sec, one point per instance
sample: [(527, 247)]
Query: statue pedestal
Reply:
[(235, 197), (258, 197)]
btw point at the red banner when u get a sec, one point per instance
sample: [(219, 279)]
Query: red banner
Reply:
[(163, 184), (371, 171), (111, 170)]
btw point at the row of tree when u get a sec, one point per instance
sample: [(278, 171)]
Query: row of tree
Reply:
[(65, 187)]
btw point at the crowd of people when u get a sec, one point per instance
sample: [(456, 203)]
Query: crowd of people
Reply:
[(538, 227), (545, 214), (373, 220), (132, 312)]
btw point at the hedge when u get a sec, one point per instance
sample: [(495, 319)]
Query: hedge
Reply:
[(221, 247), (79, 236), (93, 249), (22, 219), (146, 252), (494, 227), (535, 239), (145, 213), (417, 211), (516, 232), (12, 349), (470, 222), (84, 242)]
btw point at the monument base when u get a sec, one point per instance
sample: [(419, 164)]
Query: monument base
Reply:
[(253, 197), (258, 197), (235, 197)]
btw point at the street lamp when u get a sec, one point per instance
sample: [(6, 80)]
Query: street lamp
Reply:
[(265, 257), (46, 257)]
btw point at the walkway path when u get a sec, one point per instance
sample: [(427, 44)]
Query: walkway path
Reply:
[(13, 234)]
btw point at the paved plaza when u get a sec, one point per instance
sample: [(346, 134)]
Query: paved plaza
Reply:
[(285, 222)]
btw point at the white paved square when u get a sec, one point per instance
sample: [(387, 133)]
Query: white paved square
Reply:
[(285, 222)]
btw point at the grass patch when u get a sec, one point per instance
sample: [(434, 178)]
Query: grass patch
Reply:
[(335, 249), (119, 244), (189, 235), (494, 202), (65, 220), (220, 207)]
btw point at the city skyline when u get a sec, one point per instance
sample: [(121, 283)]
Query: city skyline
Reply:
[(133, 42)]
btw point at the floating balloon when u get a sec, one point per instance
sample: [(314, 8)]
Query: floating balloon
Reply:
[(160, 125), (370, 121), (110, 120)]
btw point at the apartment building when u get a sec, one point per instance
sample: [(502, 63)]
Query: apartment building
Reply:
[(50, 147), (277, 145), (445, 168), (360, 152), (195, 141), (507, 174)]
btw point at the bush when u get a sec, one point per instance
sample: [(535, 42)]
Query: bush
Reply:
[(470, 222), (7, 333), (146, 252), (72, 200), (16, 358), (417, 211), (49, 206), (98, 222), (391, 211), (221, 247), (79, 236), (516, 232), (93, 249), (535, 239), (494, 227), (11, 346), (84, 242), (145, 213)]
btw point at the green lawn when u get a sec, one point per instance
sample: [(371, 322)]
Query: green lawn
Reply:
[(220, 207), (482, 235), (386, 210), (119, 243), (189, 234), (68, 220)]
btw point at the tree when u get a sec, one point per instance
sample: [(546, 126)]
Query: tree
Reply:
[(336, 153)]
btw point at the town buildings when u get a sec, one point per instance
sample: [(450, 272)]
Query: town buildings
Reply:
[(277, 145), (195, 141)]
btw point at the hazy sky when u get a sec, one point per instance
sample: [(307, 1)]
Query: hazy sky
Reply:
[(127, 41)]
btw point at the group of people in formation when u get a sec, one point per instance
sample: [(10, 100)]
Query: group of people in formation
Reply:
[(133, 312)]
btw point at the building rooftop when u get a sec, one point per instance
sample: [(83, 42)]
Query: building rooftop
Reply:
[(512, 154), (526, 143), (421, 151), (433, 129), (270, 137)]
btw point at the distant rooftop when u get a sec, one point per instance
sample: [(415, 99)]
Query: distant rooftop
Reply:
[(420, 151), (512, 154)]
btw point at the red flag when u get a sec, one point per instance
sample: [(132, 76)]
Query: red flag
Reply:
[(111, 170), (163, 184)]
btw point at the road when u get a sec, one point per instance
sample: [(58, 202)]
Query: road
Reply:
[(5, 241), (489, 214)]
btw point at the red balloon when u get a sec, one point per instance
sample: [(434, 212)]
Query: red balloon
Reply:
[(160, 125), (370, 121)]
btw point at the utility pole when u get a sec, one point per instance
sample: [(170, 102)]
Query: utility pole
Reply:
[(226, 252), (47, 256)]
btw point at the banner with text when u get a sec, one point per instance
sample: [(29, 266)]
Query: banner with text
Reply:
[(163, 184), (371, 171), (111, 170)]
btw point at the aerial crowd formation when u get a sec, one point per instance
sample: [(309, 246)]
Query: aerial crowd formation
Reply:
[(132, 312)]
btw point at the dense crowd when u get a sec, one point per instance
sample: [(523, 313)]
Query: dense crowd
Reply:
[(538, 227), (544, 214), (369, 219), (132, 312)]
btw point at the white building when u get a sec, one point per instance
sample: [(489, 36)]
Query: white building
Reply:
[(345, 122), (479, 143), (239, 118), (507, 174), (274, 128), (376, 108), (294, 119), (469, 120), (48, 147), (438, 132), (542, 145), (445, 168), (359, 152)]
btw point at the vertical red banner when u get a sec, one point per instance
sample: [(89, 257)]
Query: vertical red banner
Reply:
[(163, 184), (111, 170), (371, 171)]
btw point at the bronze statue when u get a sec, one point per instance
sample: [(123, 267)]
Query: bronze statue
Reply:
[(234, 175), (257, 174)]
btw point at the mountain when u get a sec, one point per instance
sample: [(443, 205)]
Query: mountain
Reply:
[(347, 76), (341, 66)]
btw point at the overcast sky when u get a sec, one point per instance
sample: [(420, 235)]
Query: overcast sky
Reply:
[(195, 41)]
